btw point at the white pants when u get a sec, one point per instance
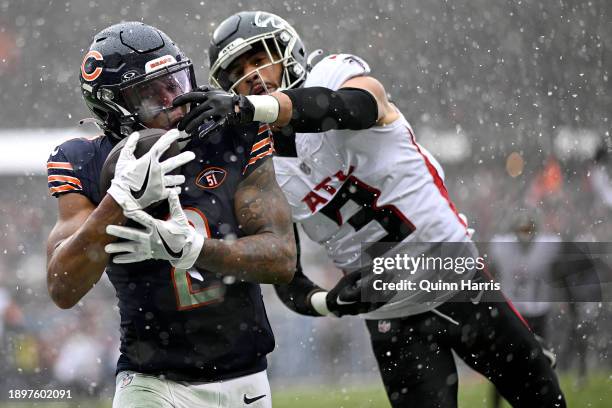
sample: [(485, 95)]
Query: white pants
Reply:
[(136, 390)]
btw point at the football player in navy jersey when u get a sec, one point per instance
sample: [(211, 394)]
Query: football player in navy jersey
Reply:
[(354, 174), (194, 331)]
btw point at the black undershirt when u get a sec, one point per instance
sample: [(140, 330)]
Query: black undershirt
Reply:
[(284, 142)]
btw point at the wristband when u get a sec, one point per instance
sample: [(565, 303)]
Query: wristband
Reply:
[(266, 108), (319, 303)]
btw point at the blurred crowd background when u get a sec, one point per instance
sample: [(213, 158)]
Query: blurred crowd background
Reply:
[(513, 97)]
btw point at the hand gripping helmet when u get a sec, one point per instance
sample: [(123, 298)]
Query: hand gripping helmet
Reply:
[(130, 75), (252, 30)]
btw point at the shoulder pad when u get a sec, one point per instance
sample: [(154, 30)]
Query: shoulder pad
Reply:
[(332, 71)]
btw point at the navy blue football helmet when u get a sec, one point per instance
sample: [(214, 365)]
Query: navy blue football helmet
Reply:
[(130, 75)]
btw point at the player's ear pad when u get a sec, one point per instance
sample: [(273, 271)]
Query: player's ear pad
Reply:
[(147, 139)]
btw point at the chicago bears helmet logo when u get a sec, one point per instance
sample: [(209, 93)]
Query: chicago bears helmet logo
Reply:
[(90, 70), (211, 177)]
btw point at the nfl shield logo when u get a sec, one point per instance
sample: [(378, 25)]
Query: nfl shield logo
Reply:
[(305, 168), (384, 326), (127, 380)]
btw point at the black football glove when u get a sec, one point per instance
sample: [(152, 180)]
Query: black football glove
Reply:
[(217, 104), (346, 297)]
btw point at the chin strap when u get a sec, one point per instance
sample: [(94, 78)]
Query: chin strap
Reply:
[(96, 122)]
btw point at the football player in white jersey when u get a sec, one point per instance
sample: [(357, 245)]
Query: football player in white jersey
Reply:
[(351, 168), (524, 260)]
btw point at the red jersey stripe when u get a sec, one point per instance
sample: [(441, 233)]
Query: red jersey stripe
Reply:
[(436, 177)]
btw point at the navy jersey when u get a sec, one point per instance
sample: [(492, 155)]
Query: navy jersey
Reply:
[(186, 325), (75, 165)]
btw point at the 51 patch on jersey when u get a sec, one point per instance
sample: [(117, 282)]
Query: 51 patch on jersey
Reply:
[(211, 177)]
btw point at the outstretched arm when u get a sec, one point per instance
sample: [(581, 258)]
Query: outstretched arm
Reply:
[(360, 103), (268, 253)]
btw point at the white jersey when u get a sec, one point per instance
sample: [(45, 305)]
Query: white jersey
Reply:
[(350, 187), (524, 271)]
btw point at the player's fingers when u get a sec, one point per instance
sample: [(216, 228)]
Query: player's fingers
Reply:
[(177, 161), (142, 218), (130, 146), (175, 205), (177, 190), (185, 138), (174, 180), (190, 97), (128, 258), (164, 142), (117, 247), (125, 232), (193, 114), (197, 122)]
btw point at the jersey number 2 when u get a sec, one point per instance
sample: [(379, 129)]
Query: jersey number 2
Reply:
[(186, 297)]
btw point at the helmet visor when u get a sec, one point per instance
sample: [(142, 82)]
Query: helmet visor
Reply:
[(151, 99)]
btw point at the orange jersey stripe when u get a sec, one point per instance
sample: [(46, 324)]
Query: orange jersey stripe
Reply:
[(260, 144), (263, 128), (268, 152), (59, 165), (260, 155), (68, 179), (65, 187)]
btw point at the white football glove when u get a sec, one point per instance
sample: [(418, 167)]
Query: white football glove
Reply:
[(174, 239), (141, 182)]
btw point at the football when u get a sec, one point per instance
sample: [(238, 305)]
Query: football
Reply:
[(147, 139)]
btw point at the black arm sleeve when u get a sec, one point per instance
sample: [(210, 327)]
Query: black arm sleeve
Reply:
[(320, 109), (296, 294)]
